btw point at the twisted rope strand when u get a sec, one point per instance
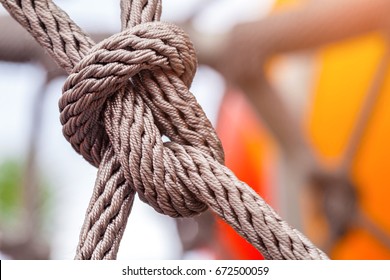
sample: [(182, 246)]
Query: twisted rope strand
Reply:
[(75, 45), (121, 96), (110, 205)]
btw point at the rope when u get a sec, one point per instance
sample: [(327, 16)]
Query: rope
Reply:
[(121, 96)]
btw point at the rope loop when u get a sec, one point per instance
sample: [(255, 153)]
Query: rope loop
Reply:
[(108, 67)]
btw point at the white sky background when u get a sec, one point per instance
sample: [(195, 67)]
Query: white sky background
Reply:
[(148, 235)]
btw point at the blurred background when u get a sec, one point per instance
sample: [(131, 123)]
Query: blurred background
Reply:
[(304, 122)]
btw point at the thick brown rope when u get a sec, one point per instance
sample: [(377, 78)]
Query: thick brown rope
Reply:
[(121, 96)]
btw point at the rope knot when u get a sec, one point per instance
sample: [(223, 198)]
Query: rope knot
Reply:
[(128, 91), (108, 68)]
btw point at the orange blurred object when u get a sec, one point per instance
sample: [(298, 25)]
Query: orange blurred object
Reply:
[(249, 154)]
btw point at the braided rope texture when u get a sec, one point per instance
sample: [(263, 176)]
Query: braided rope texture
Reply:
[(121, 96)]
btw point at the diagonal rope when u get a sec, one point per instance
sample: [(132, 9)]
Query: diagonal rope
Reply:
[(122, 95)]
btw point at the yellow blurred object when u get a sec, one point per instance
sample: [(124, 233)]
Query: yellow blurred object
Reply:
[(347, 70), (287, 4)]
